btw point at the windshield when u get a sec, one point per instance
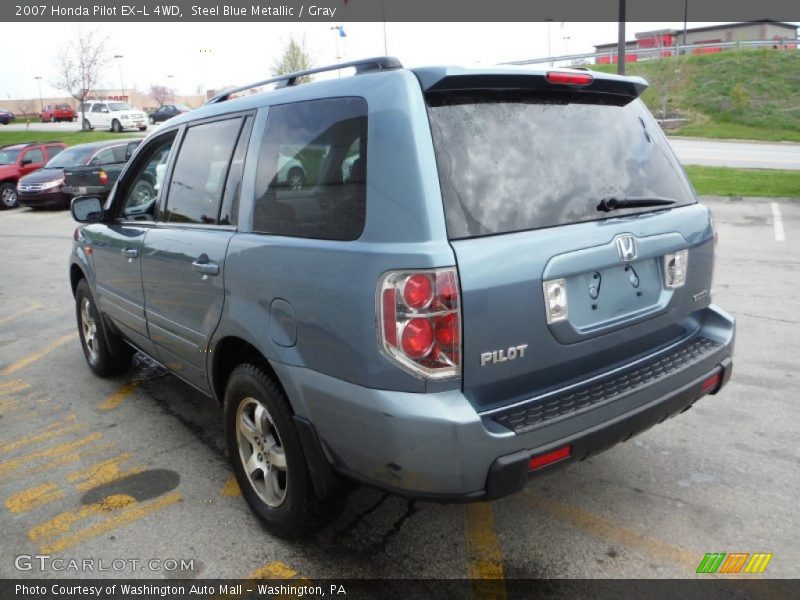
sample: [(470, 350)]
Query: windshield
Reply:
[(517, 161), (115, 106), (71, 157), (8, 156)]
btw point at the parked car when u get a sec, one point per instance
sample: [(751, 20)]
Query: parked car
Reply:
[(57, 113), (17, 160), (6, 116), (444, 325), (94, 167), (115, 116), (167, 111)]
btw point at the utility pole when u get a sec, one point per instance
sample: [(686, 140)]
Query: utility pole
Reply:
[(621, 39), (685, 18), (39, 85), (118, 58)]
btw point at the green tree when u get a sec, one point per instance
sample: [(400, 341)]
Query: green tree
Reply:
[(295, 58)]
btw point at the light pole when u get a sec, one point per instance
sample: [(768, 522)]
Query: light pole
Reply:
[(118, 58), (171, 79), (39, 85), (621, 45)]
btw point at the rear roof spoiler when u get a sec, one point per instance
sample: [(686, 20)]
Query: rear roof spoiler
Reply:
[(445, 79)]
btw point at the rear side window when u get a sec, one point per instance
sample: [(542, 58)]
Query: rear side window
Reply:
[(512, 162), (198, 180), (312, 169)]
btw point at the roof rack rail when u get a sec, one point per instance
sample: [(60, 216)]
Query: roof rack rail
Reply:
[(378, 63)]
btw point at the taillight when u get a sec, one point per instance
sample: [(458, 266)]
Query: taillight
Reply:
[(569, 78), (420, 321), (103, 177)]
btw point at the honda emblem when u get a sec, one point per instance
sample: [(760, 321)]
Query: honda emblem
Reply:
[(626, 247)]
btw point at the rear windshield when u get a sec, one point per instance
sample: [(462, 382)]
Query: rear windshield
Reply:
[(512, 162)]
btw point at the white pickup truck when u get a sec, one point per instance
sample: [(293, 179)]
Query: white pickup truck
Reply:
[(115, 116)]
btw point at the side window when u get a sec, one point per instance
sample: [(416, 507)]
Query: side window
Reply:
[(228, 214), (99, 108), (104, 157), (312, 170), (198, 180), (142, 188), (35, 156)]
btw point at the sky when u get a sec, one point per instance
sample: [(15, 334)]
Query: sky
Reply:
[(193, 57)]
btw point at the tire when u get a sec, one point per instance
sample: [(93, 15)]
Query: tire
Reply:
[(296, 179), (8, 195), (152, 121), (87, 126), (116, 126), (283, 498), (106, 353)]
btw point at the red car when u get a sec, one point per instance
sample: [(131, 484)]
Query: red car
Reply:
[(58, 112), (18, 160)]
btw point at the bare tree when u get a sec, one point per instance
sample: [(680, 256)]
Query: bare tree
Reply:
[(161, 94), (26, 107), (295, 58), (79, 64), (668, 72)]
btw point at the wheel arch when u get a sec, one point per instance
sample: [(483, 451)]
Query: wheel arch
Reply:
[(75, 276), (228, 353)]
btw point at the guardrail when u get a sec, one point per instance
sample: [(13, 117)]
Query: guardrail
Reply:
[(637, 54)]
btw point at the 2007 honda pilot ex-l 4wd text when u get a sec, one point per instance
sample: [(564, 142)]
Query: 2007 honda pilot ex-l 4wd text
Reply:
[(485, 274)]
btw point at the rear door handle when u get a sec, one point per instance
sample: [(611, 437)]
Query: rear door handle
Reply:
[(205, 266), (130, 252)]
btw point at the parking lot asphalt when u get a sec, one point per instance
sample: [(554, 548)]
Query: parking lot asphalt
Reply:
[(133, 468)]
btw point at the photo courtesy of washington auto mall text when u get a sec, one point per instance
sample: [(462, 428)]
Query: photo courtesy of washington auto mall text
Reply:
[(399, 299)]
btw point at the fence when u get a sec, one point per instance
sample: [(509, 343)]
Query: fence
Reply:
[(638, 54)]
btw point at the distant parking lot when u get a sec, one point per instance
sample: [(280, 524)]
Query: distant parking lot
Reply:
[(134, 467), (56, 128)]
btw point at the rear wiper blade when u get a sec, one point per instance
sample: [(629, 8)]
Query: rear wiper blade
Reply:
[(609, 204)]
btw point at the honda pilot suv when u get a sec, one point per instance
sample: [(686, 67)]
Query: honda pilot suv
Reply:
[(486, 274)]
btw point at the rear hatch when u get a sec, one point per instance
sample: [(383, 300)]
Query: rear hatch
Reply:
[(571, 222)]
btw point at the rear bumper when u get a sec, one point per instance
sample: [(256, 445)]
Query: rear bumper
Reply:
[(437, 447)]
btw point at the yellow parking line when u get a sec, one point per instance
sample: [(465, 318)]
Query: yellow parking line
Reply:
[(52, 431), (21, 313), (54, 452), (273, 570), (611, 530), (102, 473), (13, 386), (31, 498), (69, 458), (483, 552), (231, 487), (33, 357), (115, 399), (126, 515), (62, 523)]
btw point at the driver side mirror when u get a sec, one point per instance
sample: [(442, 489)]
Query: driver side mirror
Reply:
[(26, 161), (87, 209)]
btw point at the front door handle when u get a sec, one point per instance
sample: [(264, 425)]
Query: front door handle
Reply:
[(205, 266), (130, 252)]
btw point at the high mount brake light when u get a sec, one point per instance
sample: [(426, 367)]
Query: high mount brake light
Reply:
[(569, 78), (419, 321)]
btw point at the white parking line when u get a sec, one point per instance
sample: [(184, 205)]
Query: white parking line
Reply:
[(777, 221)]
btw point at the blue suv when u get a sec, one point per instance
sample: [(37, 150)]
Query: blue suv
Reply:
[(482, 275)]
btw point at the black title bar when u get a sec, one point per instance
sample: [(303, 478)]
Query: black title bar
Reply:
[(394, 10)]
